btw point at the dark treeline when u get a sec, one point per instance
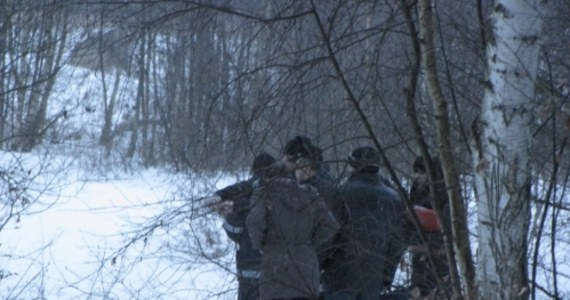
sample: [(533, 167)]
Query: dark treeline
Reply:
[(228, 78), (236, 76)]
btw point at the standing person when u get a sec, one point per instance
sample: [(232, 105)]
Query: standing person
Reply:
[(331, 253), (376, 224), (287, 223), (248, 260), (423, 275), (300, 151)]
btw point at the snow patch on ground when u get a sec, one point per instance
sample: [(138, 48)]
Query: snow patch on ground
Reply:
[(62, 249)]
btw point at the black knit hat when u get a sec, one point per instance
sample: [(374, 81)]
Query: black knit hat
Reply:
[(301, 146), (419, 166), (365, 159), (315, 153), (262, 162)]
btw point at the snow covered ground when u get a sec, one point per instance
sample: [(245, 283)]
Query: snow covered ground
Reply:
[(71, 250), (138, 235)]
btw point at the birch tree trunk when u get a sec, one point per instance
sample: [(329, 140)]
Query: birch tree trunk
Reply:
[(459, 228), (503, 172)]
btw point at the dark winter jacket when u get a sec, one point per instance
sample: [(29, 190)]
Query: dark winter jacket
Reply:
[(420, 195), (248, 260), (330, 252), (288, 222), (375, 230), (326, 188), (423, 276)]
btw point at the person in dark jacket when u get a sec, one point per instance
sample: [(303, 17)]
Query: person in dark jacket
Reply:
[(423, 274), (301, 153), (374, 231), (248, 260), (288, 222), (310, 170)]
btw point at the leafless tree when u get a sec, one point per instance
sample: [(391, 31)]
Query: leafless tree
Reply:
[(204, 85)]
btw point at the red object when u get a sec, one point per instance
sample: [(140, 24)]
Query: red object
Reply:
[(427, 218)]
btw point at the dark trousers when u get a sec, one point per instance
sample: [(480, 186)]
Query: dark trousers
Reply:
[(423, 276), (358, 279), (397, 295), (296, 298), (248, 288)]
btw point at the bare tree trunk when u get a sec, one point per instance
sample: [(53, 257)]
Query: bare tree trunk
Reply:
[(503, 140), (106, 138), (5, 26), (147, 143), (140, 104), (56, 36), (459, 228), (45, 30)]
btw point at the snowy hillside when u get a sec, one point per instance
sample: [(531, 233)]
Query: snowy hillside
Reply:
[(65, 242)]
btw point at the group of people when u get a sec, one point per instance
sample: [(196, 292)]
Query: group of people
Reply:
[(300, 235)]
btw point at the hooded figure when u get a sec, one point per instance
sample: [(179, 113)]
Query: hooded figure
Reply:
[(287, 223), (374, 231), (306, 160), (248, 260), (308, 171), (297, 147)]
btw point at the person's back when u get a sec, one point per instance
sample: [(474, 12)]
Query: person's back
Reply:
[(376, 216), (287, 223), (368, 202), (306, 161), (376, 221)]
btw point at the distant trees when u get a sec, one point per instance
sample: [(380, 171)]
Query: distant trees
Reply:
[(203, 85), (32, 40), (32, 44)]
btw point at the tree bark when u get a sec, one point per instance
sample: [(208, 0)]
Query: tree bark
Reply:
[(459, 226), (106, 138), (503, 141)]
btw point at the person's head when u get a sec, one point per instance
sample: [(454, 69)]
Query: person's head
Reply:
[(305, 168), (298, 147), (419, 171), (262, 163), (419, 166), (364, 159)]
